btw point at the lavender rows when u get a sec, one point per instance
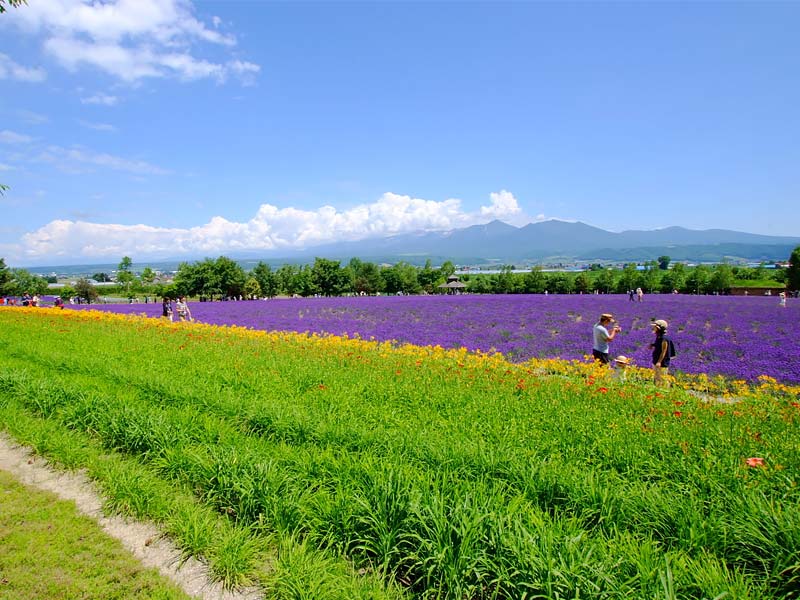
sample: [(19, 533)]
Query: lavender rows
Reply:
[(741, 337)]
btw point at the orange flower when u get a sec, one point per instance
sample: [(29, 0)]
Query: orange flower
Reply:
[(755, 461)]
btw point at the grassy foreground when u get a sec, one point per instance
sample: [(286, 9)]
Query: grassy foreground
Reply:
[(334, 468), (47, 550)]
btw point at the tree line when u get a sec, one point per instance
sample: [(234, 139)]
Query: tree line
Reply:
[(224, 278)]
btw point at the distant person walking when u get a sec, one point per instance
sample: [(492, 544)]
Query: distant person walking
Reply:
[(166, 308), (630, 294), (602, 336), (184, 314), (639, 294), (663, 351), (782, 299)]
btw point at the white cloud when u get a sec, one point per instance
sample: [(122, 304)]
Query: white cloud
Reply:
[(12, 70), (5, 167), (271, 228), (132, 39), (102, 99), (9, 137), (81, 160), (96, 126)]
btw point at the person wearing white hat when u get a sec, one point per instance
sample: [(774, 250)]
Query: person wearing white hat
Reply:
[(663, 351), (621, 363)]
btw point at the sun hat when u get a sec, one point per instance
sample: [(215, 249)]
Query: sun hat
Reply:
[(623, 360), (661, 324), (606, 316)]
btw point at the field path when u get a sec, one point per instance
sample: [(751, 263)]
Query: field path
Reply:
[(143, 540)]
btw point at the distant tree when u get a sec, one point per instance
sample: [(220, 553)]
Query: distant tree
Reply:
[(721, 279), (25, 282), (5, 277), (447, 269), (697, 280), (663, 262), (85, 289), (267, 280), (148, 276), (534, 281), (328, 277), (428, 277), (401, 277), (101, 277), (582, 283), (251, 288), (606, 281), (793, 271), (286, 276), (503, 282), (304, 282), (230, 276), (124, 275), (629, 278), (366, 277), (651, 277), (560, 283)]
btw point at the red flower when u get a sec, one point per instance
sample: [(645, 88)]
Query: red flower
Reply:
[(755, 461), (603, 390), (677, 413)]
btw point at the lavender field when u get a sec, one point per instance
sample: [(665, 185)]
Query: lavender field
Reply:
[(741, 337)]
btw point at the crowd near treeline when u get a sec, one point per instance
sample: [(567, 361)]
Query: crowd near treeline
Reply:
[(223, 278)]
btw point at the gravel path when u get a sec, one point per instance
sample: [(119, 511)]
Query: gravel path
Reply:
[(143, 540)]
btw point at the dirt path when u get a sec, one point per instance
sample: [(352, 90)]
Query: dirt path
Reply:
[(143, 540)]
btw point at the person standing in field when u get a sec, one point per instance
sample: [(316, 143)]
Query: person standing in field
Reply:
[(602, 337), (184, 314), (620, 372), (663, 351), (782, 299), (166, 308), (639, 294)]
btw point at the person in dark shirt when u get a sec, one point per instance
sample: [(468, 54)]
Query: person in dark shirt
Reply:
[(663, 351)]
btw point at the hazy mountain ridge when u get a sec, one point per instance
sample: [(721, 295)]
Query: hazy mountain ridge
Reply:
[(499, 241)]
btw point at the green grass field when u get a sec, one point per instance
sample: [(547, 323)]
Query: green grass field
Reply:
[(47, 550), (333, 468)]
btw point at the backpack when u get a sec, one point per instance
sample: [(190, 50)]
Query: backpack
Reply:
[(671, 349)]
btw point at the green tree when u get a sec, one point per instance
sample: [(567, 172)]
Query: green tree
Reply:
[(629, 278), (504, 281), (25, 282), (606, 281), (793, 271), (721, 279), (230, 276), (267, 280), (85, 290), (251, 288), (304, 282), (287, 275), (651, 277), (697, 280), (534, 281), (663, 262), (401, 277), (148, 276), (328, 277), (366, 277), (101, 277), (125, 276), (5, 277), (582, 283), (428, 277), (560, 283)]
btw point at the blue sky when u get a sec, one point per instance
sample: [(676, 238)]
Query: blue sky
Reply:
[(167, 128)]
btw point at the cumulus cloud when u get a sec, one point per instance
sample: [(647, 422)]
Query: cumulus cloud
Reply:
[(271, 228), (132, 39)]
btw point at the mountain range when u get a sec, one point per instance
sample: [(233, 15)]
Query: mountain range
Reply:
[(560, 241)]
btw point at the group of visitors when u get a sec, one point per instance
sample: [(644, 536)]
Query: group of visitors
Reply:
[(637, 294), (181, 309), (606, 329)]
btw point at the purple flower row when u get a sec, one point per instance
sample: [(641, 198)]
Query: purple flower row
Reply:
[(740, 337)]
